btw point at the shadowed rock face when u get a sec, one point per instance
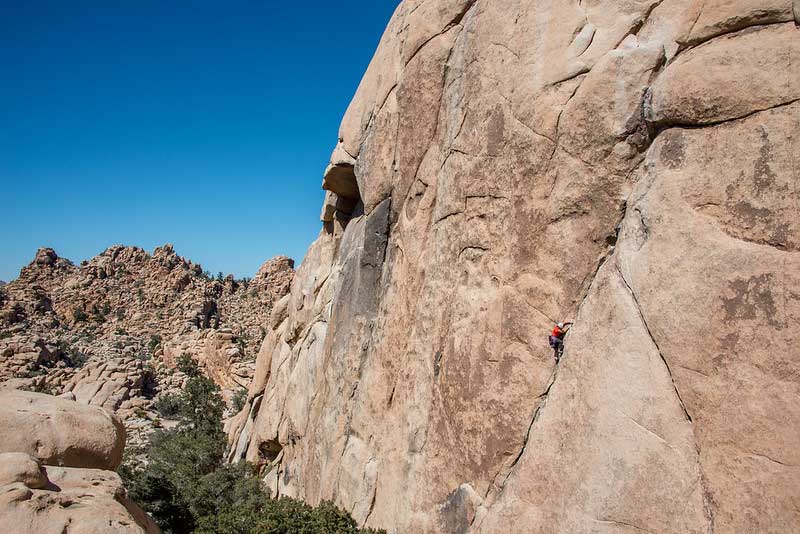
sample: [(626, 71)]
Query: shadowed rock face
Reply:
[(628, 164)]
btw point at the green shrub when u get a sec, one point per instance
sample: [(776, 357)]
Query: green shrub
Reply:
[(238, 400), (168, 405), (282, 516), (73, 357), (155, 341), (79, 315), (97, 314), (44, 389), (188, 366), (77, 359)]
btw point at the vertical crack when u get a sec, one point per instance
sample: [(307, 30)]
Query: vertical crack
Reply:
[(558, 122), (708, 500), (653, 339), (371, 504), (542, 397), (543, 400)]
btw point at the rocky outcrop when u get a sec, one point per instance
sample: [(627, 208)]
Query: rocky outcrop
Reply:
[(56, 469), (110, 331), (504, 165)]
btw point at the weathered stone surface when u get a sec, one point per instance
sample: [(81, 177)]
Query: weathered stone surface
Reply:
[(627, 164), (708, 83), (716, 17), (737, 385), (20, 467), (109, 384), (85, 500), (609, 425), (66, 433), (38, 429)]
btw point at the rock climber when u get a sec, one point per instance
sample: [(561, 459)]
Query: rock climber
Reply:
[(557, 339)]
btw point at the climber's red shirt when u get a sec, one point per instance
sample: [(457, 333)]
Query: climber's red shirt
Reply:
[(557, 332)]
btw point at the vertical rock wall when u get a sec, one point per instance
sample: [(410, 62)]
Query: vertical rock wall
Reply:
[(504, 164)]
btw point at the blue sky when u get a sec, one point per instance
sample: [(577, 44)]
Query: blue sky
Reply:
[(202, 124)]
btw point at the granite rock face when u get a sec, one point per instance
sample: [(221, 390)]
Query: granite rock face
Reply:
[(631, 165)]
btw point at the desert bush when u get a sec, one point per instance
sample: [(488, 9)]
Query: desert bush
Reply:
[(238, 400), (282, 516), (168, 405), (76, 359), (79, 315), (155, 341), (72, 356), (41, 387), (188, 366)]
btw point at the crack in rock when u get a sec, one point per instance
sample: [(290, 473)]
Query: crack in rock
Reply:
[(653, 339)]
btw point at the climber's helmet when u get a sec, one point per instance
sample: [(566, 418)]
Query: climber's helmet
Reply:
[(561, 325)]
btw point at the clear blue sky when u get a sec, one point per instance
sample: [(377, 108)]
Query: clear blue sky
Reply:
[(202, 124)]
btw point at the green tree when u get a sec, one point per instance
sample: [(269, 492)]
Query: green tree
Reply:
[(155, 341), (188, 366)]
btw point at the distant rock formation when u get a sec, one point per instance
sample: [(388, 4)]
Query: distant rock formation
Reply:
[(631, 165), (57, 462), (110, 331)]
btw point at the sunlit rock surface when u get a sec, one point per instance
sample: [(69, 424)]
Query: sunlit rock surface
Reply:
[(629, 165)]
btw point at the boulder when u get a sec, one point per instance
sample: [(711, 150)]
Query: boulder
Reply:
[(90, 501), (58, 431), (20, 467)]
